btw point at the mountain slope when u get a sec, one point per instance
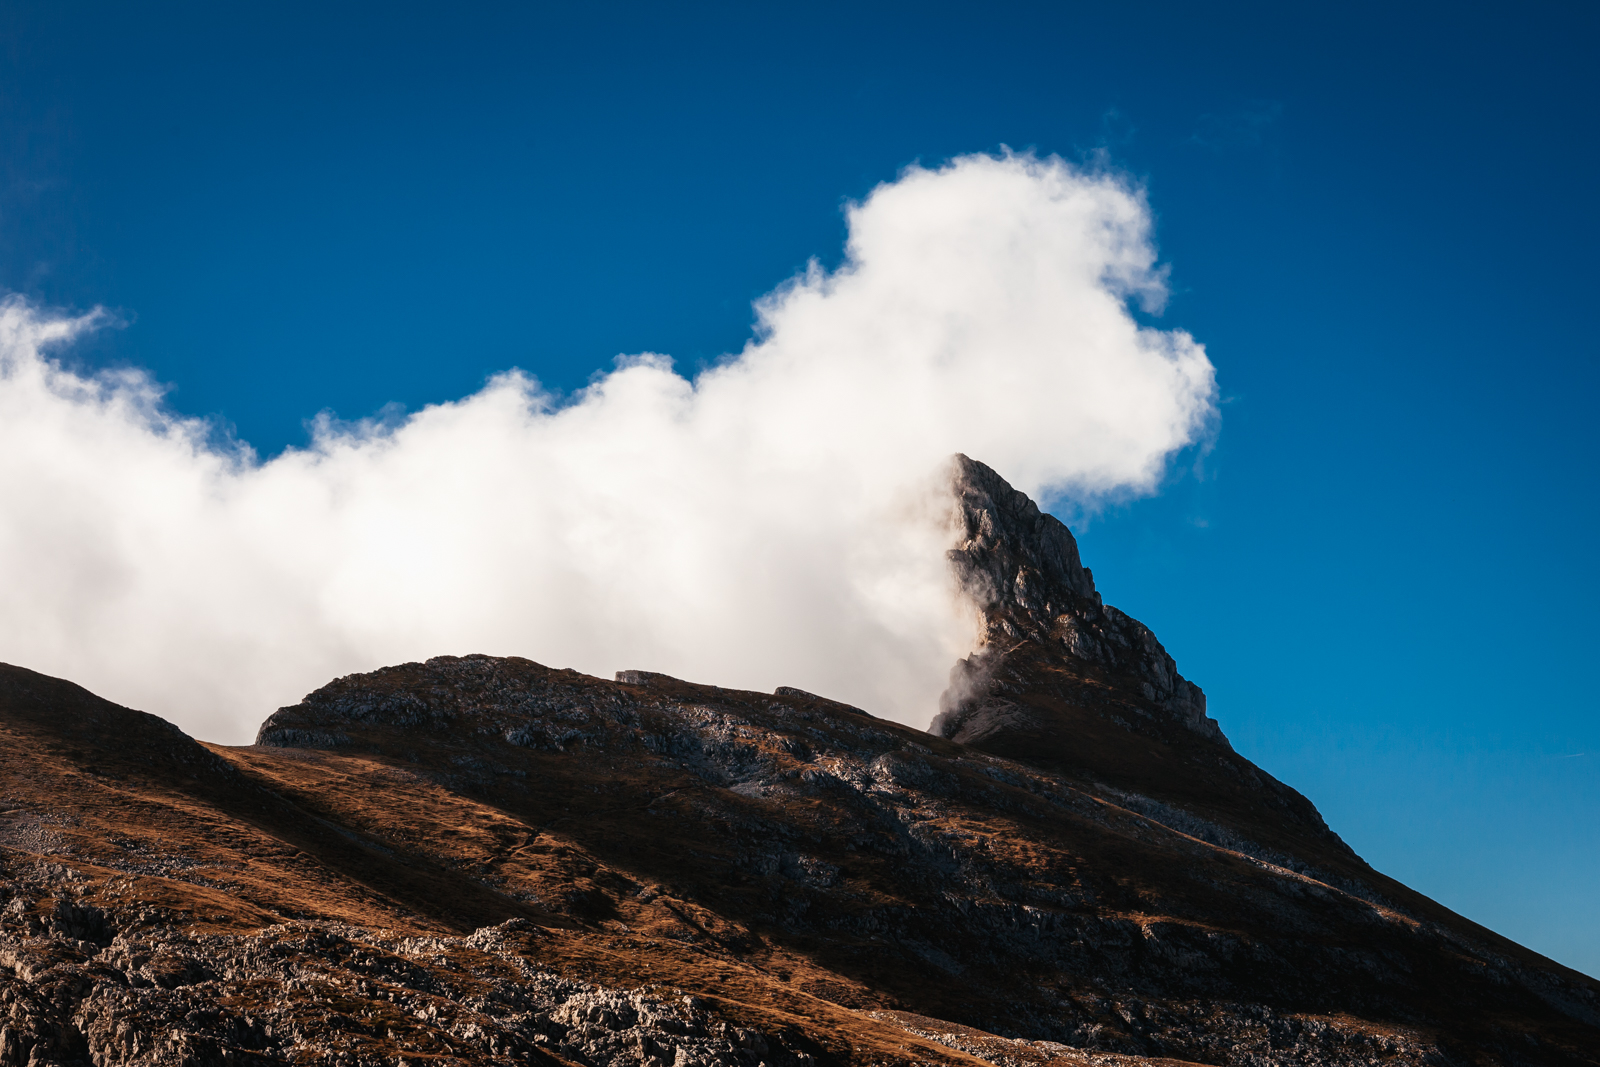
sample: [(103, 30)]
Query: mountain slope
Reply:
[(476, 859)]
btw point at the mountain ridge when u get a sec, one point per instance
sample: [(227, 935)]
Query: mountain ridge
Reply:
[(482, 859)]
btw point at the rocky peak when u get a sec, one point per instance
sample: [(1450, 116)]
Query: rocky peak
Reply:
[(1013, 556), (1021, 567)]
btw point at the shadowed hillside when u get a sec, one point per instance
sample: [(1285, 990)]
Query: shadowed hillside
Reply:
[(479, 860)]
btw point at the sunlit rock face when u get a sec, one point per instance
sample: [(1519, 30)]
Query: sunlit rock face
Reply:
[(483, 860)]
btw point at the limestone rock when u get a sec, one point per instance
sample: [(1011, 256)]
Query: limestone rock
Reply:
[(1021, 566)]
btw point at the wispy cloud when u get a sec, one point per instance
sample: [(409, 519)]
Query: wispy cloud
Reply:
[(1116, 128), (1245, 128)]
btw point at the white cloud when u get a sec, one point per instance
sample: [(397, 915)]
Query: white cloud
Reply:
[(777, 520)]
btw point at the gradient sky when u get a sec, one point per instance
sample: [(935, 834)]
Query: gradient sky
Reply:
[(1380, 221)]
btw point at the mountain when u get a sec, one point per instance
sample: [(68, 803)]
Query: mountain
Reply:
[(482, 860)]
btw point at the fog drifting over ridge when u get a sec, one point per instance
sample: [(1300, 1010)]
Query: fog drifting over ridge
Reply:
[(779, 519)]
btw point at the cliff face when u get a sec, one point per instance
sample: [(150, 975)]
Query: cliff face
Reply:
[(1022, 567), (1063, 681), (479, 860)]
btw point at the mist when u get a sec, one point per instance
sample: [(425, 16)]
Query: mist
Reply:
[(779, 519)]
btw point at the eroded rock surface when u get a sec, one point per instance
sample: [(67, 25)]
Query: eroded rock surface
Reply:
[(1022, 566), (322, 992)]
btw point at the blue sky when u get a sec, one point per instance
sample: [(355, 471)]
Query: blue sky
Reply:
[(1380, 222)]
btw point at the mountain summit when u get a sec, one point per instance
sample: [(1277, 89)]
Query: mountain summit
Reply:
[(1063, 680), (1021, 567), (484, 860)]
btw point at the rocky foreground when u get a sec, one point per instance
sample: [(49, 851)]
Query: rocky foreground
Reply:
[(479, 860)]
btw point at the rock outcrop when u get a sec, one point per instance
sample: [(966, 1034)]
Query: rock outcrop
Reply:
[(1021, 567), (1064, 681), (335, 993)]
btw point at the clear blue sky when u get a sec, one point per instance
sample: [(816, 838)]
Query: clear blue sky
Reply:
[(1381, 220)]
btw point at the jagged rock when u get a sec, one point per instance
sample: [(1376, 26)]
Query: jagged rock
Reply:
[(1021, 567), (335, 993)]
